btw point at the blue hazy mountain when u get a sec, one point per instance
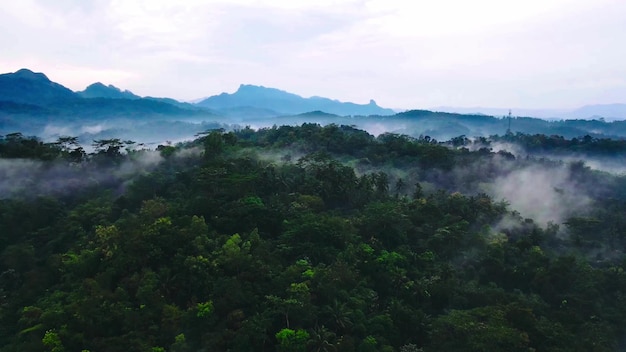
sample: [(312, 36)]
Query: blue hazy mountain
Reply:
[(28, 87), (288, 103), (31, 103), (606, 111), (248, 112), (32, 94), (595, 111), (99, 90)]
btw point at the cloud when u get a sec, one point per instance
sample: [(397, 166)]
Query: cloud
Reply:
[(28, 12), (79, 77), (404, 54)]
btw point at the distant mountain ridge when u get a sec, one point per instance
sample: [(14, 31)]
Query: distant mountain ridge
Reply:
[(27, 87), (31, 103), (607, 111), (594, 111), (99, 90), (288, 103)]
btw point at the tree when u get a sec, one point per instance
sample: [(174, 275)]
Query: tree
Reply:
[(292, 340), (479, 329)]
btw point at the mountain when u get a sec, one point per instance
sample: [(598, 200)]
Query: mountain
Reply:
[(28, 93), (99, 90), (103, 108), (540, 113), (182, 105), (30, 103), (607, 111), (248, 112), (28, 87), (288, 103), (442, 125)]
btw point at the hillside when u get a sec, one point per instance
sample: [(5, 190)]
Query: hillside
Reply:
[(595, 111), (99, 90), (288, 103), (27, 87)]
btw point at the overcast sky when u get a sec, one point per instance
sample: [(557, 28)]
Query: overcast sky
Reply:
[(403, 54)]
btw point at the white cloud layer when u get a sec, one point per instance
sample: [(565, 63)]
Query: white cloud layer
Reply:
[(404, 54)]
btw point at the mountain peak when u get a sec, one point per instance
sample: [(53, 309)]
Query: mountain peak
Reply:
[(27, 87), (284, 102), (28, 74), (98, 85), (251, 88), (248, 87), (100, 90)]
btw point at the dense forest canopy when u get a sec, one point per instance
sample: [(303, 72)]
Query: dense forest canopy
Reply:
[(313, 238)]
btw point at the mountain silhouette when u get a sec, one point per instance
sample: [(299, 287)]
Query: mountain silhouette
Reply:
[(594, 111), (607, 111), (288, 103), (29, 100), (27, 87), (99, 90)]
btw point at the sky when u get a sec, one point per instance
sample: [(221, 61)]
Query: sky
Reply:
[(403, 54)]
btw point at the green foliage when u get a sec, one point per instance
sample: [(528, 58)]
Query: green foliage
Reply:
[(243, 249), (52, 341), (292, 340), (205, 309), (180, 344), (479, 329), (16, 145), (369, 344)]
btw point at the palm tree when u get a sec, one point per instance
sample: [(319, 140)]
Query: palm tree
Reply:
[(322, 340)]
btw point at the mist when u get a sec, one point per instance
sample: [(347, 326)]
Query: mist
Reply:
[(545, 192), (27, 178), (542, 194)]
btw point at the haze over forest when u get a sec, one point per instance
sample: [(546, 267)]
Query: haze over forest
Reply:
[(34, 105), (359, 175), (394, 231)]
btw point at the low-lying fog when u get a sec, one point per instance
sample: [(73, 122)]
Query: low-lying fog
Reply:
[(545, 192)]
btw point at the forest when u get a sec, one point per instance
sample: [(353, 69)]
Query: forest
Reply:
[(313, 238)]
